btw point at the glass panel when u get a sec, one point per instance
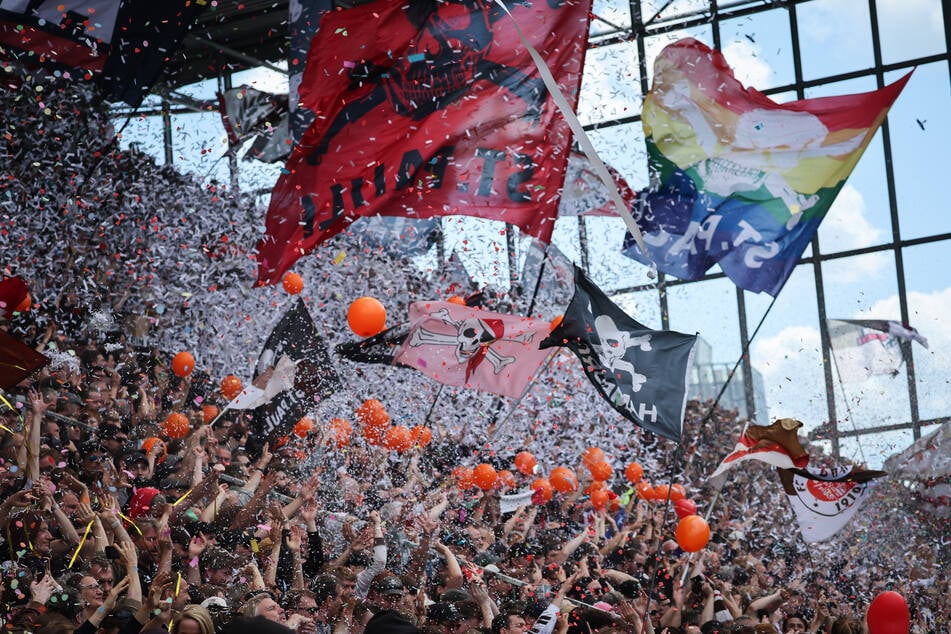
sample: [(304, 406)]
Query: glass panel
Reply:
[(143, 133), (262, 79), (643, 306), (671, 8), (873, 449), (787, 351), (758, 48), (929, 304), (609, 268), (860, 287), (610, 88), (920, 129), (609, 16), (199, 145), (910, 29), (834, 37), (205, 89)]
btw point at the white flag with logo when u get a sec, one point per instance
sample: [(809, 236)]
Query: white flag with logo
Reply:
[(825, 499)]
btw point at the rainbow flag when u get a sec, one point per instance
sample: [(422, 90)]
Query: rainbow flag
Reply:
[(742, 181)]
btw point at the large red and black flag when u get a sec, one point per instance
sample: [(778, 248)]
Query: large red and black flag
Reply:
[(17, 361), (426, 109), (642, 373), (122, 44)]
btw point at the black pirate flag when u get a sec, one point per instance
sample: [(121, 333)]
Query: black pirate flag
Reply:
[(642, 373), (314, 380)]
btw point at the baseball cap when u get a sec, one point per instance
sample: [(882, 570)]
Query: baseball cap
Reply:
[(389, 586)]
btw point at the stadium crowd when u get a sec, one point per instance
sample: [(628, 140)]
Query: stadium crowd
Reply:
[(112, 526)]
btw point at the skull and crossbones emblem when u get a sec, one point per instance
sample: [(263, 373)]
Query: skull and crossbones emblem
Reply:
[(472, 340), (613, 346)]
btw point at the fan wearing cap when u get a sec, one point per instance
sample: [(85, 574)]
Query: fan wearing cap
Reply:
[(388, 593)]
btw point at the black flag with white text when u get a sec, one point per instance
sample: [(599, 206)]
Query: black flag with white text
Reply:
[(641, 372)]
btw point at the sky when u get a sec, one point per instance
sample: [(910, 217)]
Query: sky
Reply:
[(834, 38)]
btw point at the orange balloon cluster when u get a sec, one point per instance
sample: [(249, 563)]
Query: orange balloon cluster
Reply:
[(372, 414), (366, 316), (176, 426), (422, 436), (398, 438), (563, 479), (292, 283), (303, 427), (634, 472), (463, 477), (183, 363), (543, 489), (231, 386), (484, 476), (525, 463), (341, 430)]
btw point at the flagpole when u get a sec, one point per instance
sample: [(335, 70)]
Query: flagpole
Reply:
[(848, 408), (497, 427)]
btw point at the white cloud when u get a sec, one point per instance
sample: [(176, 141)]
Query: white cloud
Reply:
[(745, 59), (845, 227)]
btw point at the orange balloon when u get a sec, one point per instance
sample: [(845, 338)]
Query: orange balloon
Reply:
[(183, 363), (563, 479), (599, 499), (231, 386), (303, 427), (398, 438), (373, 414), (555, 322), (592, 456), (176, 426), (692, 533), (507, 479), (634, 472), (341, 430), (600, 471), (366, 316), (455, 299), (422, 436), (677, 492), (644, 490), (661, 491), (209, 413), (464, 477), (24, 304), (292, 283), (374, 435), (150, 442), (597, 485), (543, 489), (525, 462), (484, 476)]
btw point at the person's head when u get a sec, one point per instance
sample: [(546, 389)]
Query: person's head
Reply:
[(31, 528), (326, 595), (346, 581), (101, 569), (263, 604), (509, 623), (847, 625), (794, 623), (219, 566), (386, 591), (90, 592), (194, 619), (147, 538)]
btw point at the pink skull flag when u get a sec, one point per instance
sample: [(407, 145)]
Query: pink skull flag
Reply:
[(464, 346)]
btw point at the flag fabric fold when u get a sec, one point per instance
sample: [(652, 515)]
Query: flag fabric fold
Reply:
[(826, 499), (17, 361), (294, 341), (776, 444), (865, 348), (467, 347), (250, 113), (424, 110), (742, 181), (642, 373)]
